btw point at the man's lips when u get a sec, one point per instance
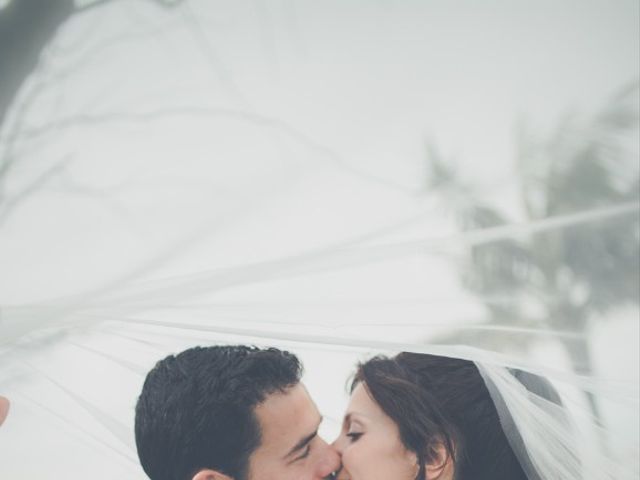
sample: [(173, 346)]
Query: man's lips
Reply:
[(339, 474)]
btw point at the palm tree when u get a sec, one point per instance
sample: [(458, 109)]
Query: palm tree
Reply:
[(561, 279)]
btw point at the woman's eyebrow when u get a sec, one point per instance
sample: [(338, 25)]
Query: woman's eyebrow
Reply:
[(347, 419), (349, 416)]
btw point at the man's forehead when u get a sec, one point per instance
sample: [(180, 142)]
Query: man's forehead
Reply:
[(286, 406)]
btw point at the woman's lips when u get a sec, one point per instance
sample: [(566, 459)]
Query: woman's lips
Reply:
[(342, 475)]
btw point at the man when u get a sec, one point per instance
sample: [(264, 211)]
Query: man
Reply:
[(230, 413)]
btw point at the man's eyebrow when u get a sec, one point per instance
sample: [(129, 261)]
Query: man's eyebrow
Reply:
[(302, 443)]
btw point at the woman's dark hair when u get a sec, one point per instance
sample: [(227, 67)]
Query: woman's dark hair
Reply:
[(443, 402), (196, 409)]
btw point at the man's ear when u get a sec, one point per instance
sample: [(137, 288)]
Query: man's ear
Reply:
[(441, 465), (210, 475)]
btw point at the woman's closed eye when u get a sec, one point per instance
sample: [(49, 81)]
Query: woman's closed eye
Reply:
[(354, 436)]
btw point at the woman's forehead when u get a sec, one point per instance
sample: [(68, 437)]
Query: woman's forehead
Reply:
[(362, 404)]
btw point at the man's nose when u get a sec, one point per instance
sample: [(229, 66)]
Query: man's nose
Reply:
[(330, 463)]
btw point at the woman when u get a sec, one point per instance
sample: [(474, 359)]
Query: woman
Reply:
[(427, 417)]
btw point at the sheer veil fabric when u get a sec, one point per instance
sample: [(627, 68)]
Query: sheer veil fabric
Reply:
[(340, 181)]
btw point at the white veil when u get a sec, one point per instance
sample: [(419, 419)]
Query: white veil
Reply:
[(331, 180)]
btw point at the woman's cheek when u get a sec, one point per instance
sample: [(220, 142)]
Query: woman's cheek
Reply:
[(355, 460)]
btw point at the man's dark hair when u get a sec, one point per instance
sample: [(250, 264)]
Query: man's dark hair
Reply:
[(438, 401), (197, 409)]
